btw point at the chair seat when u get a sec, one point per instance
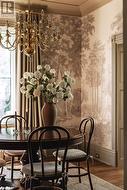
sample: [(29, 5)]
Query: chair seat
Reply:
[(49, 169), (2, 162), (72, 155), (14, 152)]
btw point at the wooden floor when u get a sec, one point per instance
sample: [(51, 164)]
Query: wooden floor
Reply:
[(111, 174)]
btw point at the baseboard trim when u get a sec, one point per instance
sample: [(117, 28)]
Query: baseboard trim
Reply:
[(104, 155)]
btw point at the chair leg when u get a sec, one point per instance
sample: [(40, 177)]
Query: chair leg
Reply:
[(79, 172), (67, 166), (1, 170), (89, 176), (12, 167), (64, 182)]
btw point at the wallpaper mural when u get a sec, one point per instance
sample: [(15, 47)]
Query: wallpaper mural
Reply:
[(66, 57), (96, 64), (85, 50)]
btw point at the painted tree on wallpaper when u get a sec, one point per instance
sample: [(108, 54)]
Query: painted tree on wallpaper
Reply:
[(117, 24), (96, 64), (87, 31), (66, 57), (93, 77)]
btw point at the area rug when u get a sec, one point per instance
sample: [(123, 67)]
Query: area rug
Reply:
[(98, 184), (73, 184)]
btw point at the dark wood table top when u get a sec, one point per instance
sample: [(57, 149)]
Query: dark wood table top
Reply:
[(10, 140)]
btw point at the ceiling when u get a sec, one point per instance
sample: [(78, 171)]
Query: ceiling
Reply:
[(69, 7)]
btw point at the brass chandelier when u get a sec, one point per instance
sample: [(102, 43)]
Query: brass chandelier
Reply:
[(31, 30)]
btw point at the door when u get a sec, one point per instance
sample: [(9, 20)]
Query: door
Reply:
[(120, 91)]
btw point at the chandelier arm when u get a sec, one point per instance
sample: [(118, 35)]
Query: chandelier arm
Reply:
[(11, 33), (9, 48), (12, 49)]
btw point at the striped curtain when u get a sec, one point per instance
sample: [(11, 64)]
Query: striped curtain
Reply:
[(30, 108)]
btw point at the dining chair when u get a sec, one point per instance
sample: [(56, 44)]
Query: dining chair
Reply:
[(76, 155), (48, 168), (13, 121)]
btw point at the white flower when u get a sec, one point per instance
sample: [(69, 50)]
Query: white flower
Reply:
[(30, 74), (37, 74), (40, 87), (33, 81), (23, 90), (26, 75), (52, 71), (53, 90), (60, 95), (55, 100), (49, 86), (62, 84), (39, 67), (44, 77), (29, 87), (22, 80), (47, 67), (70, 80)]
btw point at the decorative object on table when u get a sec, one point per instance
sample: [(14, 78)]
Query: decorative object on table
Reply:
[(29, 32), (44, 82), (49, 111)]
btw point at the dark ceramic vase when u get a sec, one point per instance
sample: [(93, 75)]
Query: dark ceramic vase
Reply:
[(49, 113)]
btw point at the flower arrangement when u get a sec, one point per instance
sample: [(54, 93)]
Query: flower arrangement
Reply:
[(43, 81)]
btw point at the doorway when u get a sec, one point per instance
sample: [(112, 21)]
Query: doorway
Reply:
[(118, 100), (120, 93)]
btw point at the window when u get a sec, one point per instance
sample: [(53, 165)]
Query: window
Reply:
[(7, 82)]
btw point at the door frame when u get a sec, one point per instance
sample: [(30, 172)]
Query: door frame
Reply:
[(116, 40)]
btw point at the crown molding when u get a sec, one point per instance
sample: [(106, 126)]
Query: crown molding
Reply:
[(66, 9), (51, 7), (91, 5)]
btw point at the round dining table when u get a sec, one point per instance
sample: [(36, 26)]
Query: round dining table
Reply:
[(15, 140), (12, 140)]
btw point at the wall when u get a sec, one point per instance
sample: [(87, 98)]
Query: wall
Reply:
[(96, 64), (66, 57)]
